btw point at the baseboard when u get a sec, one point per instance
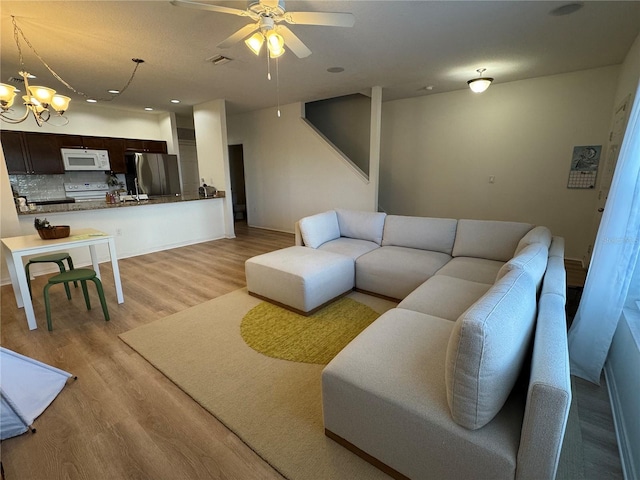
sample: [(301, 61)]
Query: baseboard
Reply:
[(624, 448)]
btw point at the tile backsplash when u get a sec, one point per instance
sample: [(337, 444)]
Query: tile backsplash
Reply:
[(51, 187)]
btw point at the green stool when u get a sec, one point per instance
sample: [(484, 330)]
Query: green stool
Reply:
[(52, 258), (78, 275)]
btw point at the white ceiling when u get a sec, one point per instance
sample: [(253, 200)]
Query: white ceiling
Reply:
[(402, 46)]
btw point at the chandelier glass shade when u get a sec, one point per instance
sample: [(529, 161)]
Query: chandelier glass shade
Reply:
[(480, 84), (42, 102)]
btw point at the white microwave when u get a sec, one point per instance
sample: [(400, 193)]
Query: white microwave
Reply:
[(84, 159)]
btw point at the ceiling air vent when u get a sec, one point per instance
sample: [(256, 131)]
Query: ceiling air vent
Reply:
[(219, 59), (16, 80)]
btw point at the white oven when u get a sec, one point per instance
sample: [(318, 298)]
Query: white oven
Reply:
[(84, 159)]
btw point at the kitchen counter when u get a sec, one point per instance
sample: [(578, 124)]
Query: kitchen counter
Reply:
[(101, 204)]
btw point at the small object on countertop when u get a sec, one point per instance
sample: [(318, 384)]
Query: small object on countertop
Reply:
[(32, 207)]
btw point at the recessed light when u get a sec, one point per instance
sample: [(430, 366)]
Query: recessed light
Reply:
[(148, 109), (335, 70), (175, 101), (114, 92), (92, 100), (566, 9)]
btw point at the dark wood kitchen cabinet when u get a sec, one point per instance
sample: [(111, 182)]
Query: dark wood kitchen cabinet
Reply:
[(146, 146), (39, 153), (32, 153), (116, 148), (15, 153), (80, 141), (44, 153)]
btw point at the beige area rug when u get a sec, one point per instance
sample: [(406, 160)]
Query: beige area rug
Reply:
[(273, 405)]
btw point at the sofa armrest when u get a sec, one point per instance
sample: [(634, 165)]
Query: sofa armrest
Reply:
[(549, 394)]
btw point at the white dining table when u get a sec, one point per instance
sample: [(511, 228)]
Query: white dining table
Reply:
[(16, 248)]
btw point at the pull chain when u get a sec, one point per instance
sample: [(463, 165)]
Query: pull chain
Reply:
[(278, 84)]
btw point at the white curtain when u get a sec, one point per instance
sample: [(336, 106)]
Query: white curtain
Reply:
[(615, 257)]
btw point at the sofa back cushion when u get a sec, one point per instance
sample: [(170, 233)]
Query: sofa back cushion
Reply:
[(435, 234), (538, 234), (361, 225), (487, 348), (320, 228), (488, 239), (532, 258)]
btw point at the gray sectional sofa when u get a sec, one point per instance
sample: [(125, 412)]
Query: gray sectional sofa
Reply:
[(469, 376)]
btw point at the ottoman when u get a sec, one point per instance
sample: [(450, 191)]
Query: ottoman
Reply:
[(301, 279)]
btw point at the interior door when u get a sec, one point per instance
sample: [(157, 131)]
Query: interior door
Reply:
[(615, 140)]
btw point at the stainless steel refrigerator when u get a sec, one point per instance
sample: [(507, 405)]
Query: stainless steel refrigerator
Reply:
[(157, 174)]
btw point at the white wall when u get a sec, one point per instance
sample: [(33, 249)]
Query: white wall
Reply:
[(85, 119), (210, 123), (438, 152), (290, 171), (137, 229)]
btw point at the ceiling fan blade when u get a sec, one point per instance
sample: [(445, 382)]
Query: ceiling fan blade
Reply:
[(320, 18), (239, 35), (211, 8), (299, 49)]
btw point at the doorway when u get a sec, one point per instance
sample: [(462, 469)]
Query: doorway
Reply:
[(238, 189)]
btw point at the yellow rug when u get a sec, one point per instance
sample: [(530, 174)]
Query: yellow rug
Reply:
[(280, 333)]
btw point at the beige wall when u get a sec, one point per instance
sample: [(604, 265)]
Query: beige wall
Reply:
[(439, 151), (291, 172)]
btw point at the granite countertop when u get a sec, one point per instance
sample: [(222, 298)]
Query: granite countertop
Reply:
[(101, 204)]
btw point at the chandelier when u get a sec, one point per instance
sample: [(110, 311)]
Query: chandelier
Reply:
[(43, 102)]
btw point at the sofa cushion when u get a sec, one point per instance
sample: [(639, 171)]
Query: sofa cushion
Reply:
[(488, 239), (444, 297), (361, 225), (396, 271), (435, 234), (487, 348), (385, 394), (532, 258), (320, 228), (351, 247), (473, 269), (536, 235)]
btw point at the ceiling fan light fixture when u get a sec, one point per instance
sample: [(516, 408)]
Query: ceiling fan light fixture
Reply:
[(255, 42), (275, 44), (480, 84)]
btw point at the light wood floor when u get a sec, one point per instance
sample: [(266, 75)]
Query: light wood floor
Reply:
[(122, 419)]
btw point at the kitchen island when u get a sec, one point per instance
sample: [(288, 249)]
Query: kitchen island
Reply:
[(137, 227), (101, 204)]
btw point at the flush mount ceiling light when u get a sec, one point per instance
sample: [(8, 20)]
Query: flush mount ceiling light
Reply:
[(480, 84), (43, 102)]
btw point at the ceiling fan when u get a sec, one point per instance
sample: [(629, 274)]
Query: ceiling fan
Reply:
[(268, 16)]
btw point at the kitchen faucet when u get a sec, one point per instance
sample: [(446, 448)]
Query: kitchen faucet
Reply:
[(137, 192)]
